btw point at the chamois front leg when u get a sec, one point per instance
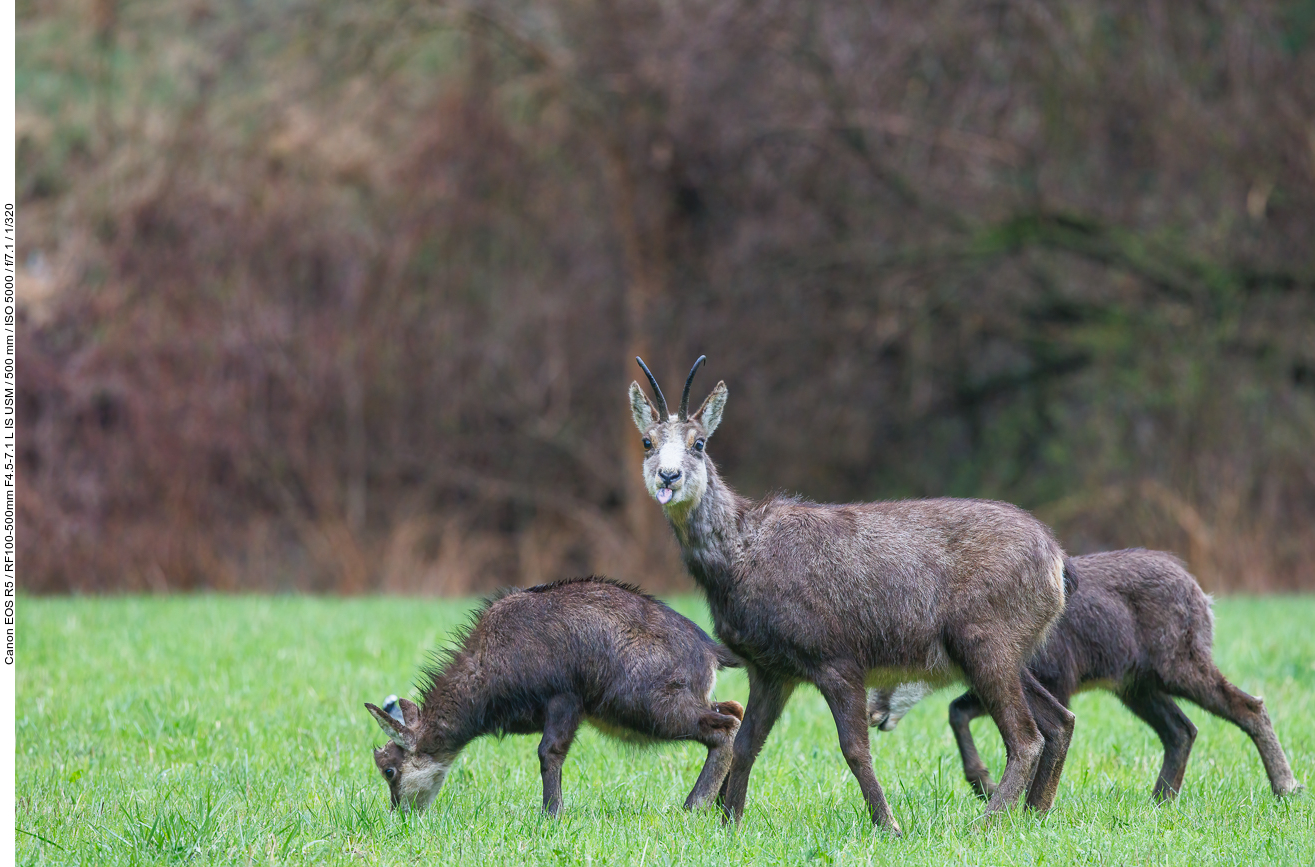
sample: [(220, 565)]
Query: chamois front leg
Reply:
[(1176, 731), (767, 698), (963, 710), (842, 687), (561, 720)]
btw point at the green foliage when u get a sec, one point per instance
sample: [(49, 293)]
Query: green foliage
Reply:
[(212, 730)]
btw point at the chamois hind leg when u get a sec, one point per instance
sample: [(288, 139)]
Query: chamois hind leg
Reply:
[(767, 698), (963, 710), (1056, 724), (1176, 732), (1214, 693), (999, 687), (716, 730), (844, 693), (561, 720)]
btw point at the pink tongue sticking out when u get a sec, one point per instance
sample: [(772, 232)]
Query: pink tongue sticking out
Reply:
[(664, 495)]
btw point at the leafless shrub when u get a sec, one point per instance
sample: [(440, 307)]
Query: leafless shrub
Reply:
[(344, 300)]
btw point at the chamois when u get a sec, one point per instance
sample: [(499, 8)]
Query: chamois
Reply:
[(1138, 625), (544, 660), (870, 594)]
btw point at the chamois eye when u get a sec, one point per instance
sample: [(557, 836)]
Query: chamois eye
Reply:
[(698, 445), (648, 443), (390, 773)]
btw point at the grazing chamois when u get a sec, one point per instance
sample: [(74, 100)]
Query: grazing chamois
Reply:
[(1138, 625), (871, 594), (544, 660)]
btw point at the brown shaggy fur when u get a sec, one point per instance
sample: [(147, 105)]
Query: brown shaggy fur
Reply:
[(1139, 626), (551, 657), (843, 596)]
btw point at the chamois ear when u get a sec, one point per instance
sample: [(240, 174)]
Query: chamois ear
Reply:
[(393, 709), (641, 409), (410, 713), (402, 735), (709, 415)]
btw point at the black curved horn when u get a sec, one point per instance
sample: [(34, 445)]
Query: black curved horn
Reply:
[(662, 401), (684, 398)]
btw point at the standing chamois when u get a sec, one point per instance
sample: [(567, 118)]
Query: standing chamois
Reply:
[(544, 660), (1138, 625), (872, 594)]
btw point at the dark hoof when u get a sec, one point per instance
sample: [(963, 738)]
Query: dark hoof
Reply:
[(1164, 796)]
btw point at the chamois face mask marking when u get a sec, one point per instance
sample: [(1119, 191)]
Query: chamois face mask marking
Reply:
[(674, 472)]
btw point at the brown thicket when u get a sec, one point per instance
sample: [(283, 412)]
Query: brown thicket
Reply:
[(344, 296)]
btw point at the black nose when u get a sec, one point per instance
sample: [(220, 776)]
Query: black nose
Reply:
[(668, 477)]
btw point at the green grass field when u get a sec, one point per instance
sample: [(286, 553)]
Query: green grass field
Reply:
[(229, 730)]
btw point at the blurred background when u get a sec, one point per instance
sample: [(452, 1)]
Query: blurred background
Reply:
[(344, 295)]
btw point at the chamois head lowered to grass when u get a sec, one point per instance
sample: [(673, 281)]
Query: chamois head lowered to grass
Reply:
[(414, 777), (548, 658)]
